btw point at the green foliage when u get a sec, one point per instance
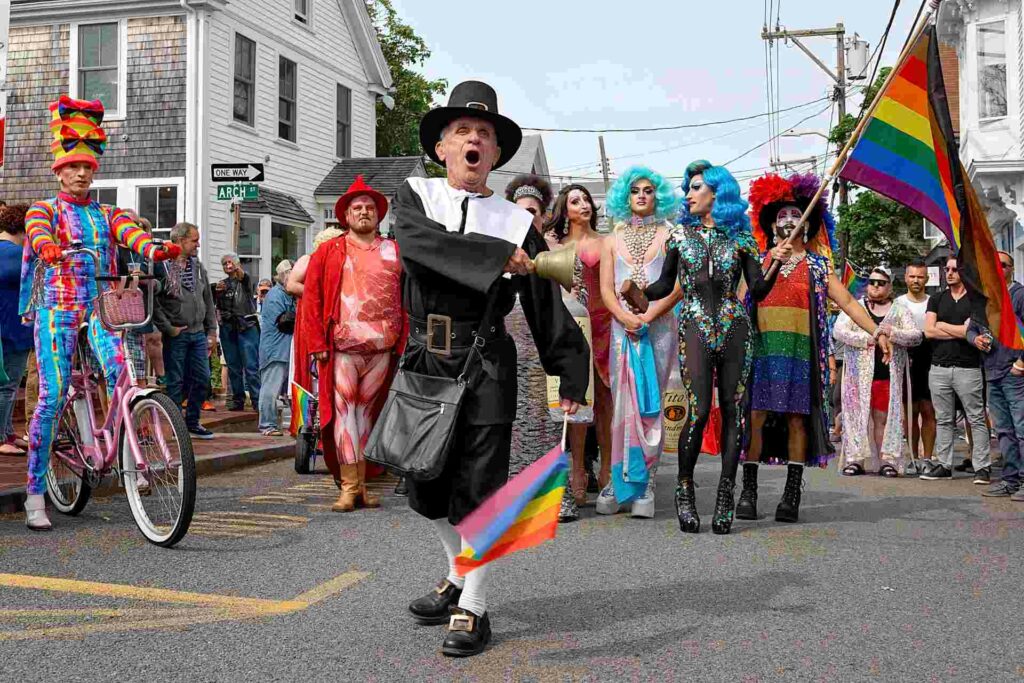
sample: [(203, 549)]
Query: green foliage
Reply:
[(842, 131), (881, 231), (398, 128)]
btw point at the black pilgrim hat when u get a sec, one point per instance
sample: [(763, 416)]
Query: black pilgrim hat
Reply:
[(477, 99)]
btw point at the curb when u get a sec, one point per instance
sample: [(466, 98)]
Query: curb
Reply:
[(13, 500)]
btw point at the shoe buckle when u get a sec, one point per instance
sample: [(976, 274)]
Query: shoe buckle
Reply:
[(461, 622), (443, 322), (442, 587)]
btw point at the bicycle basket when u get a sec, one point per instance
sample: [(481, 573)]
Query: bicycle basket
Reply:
[(122, 304)]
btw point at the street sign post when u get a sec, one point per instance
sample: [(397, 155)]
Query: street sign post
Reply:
[(226, 193), (235, 173)]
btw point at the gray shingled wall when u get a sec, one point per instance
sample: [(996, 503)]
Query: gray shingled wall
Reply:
[(155, 123)]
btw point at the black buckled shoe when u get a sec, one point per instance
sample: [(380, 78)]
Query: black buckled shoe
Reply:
[(746, 507), (402, 487), (789, 506), (721, 523), (467, 635), (435, 607), (686, 507)]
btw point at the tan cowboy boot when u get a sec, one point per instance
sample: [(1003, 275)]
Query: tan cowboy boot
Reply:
[(349, 489), (369, 500)]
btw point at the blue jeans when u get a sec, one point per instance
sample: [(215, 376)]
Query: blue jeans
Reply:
[(186, 356), (273, 377), (242, 354), (1006, 405), (14, 365)]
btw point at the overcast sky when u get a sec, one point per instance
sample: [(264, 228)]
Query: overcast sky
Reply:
[(600, 64)]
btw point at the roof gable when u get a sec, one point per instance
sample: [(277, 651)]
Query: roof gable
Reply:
[(384, 174)]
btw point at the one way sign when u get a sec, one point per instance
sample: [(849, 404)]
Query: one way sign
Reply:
[(233, 173)]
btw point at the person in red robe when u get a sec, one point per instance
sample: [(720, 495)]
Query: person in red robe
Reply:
[(354, 327)]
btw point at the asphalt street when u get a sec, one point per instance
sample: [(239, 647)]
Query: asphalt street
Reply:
[(882, 580)]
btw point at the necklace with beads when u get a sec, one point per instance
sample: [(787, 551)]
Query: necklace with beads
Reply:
[(789, 266), (638, 238)]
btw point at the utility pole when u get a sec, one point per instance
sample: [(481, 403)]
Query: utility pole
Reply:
[(604, 163), (838, 92)]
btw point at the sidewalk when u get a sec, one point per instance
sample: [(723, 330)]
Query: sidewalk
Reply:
[(236, 444)]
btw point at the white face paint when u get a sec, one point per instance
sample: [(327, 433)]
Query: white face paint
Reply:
[(786, 219)]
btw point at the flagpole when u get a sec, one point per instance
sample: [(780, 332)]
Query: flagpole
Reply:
[(840, 161)]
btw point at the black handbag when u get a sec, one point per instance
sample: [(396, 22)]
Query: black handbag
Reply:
[(416, 427), (286, 322)]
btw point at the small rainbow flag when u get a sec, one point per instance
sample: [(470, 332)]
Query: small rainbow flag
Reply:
[(300, 408), (521, 514), (853, 282), (908, 152)]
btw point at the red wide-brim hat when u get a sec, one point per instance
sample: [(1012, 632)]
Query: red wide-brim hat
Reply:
[(359, 188)]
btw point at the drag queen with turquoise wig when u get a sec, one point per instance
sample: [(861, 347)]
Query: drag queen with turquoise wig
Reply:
[(709, 249), (641, 205)]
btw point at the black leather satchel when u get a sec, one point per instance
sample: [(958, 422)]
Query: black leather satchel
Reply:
[(416, 427)]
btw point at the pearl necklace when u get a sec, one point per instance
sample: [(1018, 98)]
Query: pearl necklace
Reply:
[(638, 239)]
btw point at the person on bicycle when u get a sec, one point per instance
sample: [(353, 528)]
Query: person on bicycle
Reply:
[(57, 292)]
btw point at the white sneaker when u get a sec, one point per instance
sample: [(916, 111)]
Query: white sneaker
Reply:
[(35, 513), (606, 503), (644, 506)]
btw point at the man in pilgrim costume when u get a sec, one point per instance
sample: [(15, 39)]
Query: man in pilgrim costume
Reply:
[(462, 245)]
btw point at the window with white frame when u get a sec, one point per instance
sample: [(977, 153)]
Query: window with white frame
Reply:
[(104, 195), (287, 94), (343, 123), (245, 80), (302, 13), (992, 70), (286, 242), (159, 205), (250, 250), (99, 64)]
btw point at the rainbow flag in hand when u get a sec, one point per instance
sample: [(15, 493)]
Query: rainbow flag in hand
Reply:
[(855, 284), (908, 153), (521, 514), (300, 408)]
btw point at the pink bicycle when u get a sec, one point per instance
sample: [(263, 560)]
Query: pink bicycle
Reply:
[(142, 441)]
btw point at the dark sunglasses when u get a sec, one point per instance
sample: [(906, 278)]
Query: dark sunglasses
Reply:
[(952, 270), (878, 283)]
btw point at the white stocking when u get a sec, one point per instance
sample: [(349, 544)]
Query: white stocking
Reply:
[(452, 546), (474, 594)]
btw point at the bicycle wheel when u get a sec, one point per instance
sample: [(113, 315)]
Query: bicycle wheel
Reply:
[(162, 493), (303, 451), (65, 487)]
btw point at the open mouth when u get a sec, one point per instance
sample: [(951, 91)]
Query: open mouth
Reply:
[(472, 157)]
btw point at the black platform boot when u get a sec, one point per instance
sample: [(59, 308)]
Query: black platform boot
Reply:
[(686, 507), (721, 523), (789, 506), (746, 508)]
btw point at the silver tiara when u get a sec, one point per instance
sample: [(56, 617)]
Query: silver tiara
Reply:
[(527, 191)]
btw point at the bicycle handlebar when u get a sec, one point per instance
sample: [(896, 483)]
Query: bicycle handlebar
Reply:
[(76, 247)]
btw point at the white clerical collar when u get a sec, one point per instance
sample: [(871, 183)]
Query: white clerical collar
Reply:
[(493, 215)]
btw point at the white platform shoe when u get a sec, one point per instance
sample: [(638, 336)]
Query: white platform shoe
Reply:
[(35, 513)]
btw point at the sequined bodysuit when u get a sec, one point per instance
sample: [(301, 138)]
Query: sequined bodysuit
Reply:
[(714, 331)]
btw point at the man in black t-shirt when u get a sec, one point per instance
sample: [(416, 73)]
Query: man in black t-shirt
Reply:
[(955, 373)]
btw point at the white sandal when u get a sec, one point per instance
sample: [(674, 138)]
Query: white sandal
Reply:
[(35, 513)]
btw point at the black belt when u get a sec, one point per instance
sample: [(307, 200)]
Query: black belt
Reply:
[(961, 367), (440, 333)]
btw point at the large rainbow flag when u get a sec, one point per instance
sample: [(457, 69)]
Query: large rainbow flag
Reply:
[(908, 153), (854, 283), (521, 514)]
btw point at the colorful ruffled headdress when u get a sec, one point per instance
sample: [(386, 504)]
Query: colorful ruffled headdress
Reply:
[(77, 131), (771, 192)]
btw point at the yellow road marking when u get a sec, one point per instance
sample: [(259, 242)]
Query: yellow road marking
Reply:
[(205, 608)]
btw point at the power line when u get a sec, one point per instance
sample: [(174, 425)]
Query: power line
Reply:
[(679, 127), (776, 136)]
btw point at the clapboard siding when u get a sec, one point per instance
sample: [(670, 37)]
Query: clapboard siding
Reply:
[(149, 142), (326, 56)]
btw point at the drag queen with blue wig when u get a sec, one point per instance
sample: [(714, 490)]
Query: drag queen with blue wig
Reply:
[(708, 251), (641, 205)]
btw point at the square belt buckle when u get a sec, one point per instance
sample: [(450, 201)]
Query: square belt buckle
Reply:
[(443, 322)]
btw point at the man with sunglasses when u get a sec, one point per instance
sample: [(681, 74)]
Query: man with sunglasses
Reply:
[(1004, 372), (955, 373)]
